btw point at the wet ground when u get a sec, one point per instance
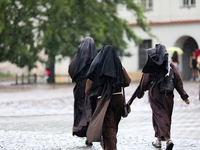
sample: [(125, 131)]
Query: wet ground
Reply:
[(40, 117)]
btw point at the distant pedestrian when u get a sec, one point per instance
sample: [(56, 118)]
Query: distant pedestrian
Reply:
[(157, 70), (106, 79), (175, 60), (194, 67), (77, 71), (198, 63)]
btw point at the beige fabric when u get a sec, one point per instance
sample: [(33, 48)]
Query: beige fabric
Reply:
[(94, 131)]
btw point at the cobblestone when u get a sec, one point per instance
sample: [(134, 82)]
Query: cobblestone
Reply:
[(44, 121)]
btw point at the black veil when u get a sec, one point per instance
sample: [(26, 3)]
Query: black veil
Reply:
[(157, 59), (106, 68), (157, 64), (82, 60)]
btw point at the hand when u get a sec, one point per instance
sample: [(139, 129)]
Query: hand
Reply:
[(129, 101), (187, 101), (141, 96)]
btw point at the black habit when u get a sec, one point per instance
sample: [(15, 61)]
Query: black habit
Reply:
[(77, 70)]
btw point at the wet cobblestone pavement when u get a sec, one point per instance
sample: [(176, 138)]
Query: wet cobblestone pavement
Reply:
[(40, 118)]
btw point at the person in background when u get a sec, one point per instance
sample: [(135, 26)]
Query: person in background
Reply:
[(77, 71), (106, 77), (198, 63), (175, 60), (193, 66), (154, 72)]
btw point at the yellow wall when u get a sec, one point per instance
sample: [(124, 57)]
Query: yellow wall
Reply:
[(135, 76)]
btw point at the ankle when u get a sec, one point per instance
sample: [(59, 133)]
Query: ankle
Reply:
[(157, 141), (169, 141)]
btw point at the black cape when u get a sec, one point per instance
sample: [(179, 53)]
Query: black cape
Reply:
[(106, 68), (82, 60), (157, 63), (77, 70)]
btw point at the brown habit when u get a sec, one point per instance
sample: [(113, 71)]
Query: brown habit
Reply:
[(161, 104), (106, 69)]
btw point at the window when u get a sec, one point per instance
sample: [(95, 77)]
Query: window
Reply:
[(189, 3), (148, 4), (142, 54)]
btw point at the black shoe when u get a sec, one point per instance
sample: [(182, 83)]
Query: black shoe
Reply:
[(169, 145), (88, 144)]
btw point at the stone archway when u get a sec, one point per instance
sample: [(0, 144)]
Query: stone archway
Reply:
[(188, 45)]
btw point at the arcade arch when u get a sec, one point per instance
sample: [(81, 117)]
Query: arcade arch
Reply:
[(188, 45)]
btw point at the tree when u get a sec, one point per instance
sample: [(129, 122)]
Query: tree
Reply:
[(58, 26), (17, 29), (70, 21)]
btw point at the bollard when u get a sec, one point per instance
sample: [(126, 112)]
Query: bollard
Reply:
[(35, 78), (16, 79), (29, 79), (22, 78)]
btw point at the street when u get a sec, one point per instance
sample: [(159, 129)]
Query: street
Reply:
[(40, 117)]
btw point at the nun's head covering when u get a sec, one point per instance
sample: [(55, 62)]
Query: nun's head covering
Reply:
[(82, 60), (158, 54), (157, 58), (106, 68)]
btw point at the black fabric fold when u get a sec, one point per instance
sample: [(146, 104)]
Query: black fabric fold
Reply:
[(82, 60), (157, 63), (157, 58), (106, 68)]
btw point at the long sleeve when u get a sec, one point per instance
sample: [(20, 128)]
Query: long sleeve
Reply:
[(144, 85)]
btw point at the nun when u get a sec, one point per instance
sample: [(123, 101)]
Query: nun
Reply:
[(78, 69), (106, 78), (156, 70)]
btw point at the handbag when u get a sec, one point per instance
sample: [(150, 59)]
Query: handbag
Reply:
[(167, 85), (126, 108)]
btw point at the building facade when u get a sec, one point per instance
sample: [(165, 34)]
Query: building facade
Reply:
[(175, 23)]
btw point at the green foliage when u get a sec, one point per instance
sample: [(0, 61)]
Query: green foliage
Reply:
[(2, 75), (16, 32), (70, 21), (60, 27)]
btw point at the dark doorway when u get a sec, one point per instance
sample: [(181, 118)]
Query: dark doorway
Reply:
[(189, 46)]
